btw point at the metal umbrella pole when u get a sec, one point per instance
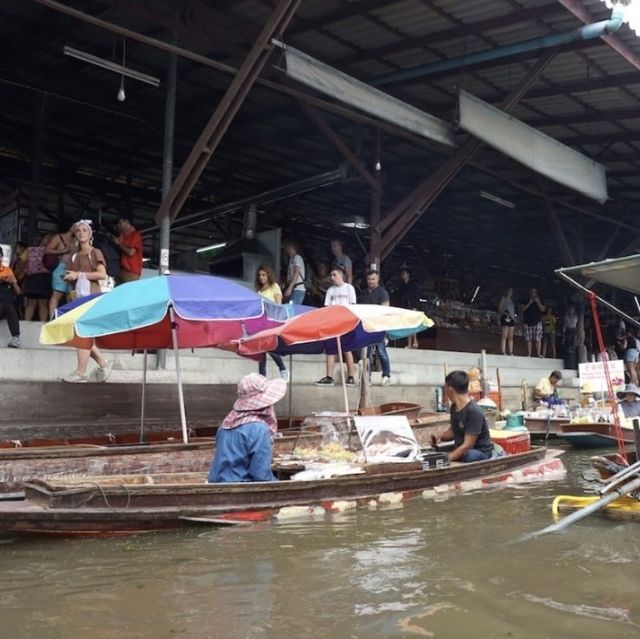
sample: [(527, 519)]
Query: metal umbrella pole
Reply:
[(174, 340), (344, 384), (143, 395), (290, 389)]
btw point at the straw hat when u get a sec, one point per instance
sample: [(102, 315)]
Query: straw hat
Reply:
[(629, 389), (256, 391)]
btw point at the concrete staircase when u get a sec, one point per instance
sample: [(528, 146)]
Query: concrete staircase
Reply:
[(31, 390)]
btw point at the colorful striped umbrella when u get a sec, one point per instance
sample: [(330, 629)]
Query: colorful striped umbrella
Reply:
[(175, 311), (334, 328), (205, 310)]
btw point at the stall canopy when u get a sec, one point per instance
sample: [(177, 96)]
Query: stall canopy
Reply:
[(340, 86), (622, 273), (532, 148)]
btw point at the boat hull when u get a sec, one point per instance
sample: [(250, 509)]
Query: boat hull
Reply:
[(18, 465), (623, 508), (595, 435), (119, 505)]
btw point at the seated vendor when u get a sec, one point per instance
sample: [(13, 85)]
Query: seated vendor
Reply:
[(244, 439), (469, 428), (630, 403), (547, 388)]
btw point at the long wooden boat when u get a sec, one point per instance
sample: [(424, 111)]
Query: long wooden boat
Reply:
[(112, 505), (168, 455), (543, 428), (594, 435)]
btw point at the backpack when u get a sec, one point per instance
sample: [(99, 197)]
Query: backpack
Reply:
[(34, 260)]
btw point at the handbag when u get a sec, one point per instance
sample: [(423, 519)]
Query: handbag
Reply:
[(107, 284)]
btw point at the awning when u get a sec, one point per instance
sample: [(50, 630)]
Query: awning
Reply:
[(622, 273), (330, 81)]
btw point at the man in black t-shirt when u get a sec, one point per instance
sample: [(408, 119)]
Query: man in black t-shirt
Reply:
[(376, 294), (469, 428), (532, 322)]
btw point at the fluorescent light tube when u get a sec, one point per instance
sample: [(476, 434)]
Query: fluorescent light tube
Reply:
[(110, 66), (211, 247), (497, 200)]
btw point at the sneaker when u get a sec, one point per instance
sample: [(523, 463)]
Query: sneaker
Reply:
[(285, 375), (325, 381), (351, 381), (15, 342), (103, 372), (75, 378), (386, 380)]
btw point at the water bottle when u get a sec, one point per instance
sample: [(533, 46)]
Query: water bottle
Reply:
[(439, 404)]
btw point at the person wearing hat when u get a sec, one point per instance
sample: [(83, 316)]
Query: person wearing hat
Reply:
[(244, 439), (630, 404), (547, 388)]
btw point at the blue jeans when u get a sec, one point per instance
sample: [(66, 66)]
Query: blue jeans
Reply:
[(475, 455), (297, 296), (262, 366), (384, 359)]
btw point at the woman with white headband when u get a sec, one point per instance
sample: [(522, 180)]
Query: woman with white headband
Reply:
[(87, 264)]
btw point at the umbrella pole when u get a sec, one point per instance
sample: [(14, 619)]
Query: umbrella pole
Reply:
[(143, 395), (344, 382), (174, 340), (290, 389)]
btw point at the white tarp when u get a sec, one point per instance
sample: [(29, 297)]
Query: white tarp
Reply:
[(330, 81), (532, 148), (622, 273)]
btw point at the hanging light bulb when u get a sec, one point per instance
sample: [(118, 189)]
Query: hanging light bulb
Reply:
[(122, 96)]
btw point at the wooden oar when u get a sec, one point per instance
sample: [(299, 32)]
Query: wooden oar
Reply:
[(625, 489)]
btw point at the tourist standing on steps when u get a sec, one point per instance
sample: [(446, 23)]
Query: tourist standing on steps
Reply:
[(9, 290), (84, 270), (409, 293), (295, 289), (507, 313), (532, 322), (266, 285), (130, 243), (341, 260), (376, 294), (339, 293)]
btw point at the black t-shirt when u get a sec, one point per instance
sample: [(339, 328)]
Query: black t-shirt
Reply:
[(471, 421), (378, 295), (409, 294), (532, 315)]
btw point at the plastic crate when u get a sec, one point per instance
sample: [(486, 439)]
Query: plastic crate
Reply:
[(512, 441)]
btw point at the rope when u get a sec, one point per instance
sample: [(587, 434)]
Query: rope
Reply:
[(591, 296)]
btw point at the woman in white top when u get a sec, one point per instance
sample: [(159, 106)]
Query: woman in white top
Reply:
[(266, 285)]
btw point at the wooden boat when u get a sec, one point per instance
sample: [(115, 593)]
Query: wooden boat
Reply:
[(543, 428), (124, 504), (164, 454), (594, 435)]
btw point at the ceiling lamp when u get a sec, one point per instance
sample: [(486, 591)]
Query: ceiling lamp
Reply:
[(110, 66)]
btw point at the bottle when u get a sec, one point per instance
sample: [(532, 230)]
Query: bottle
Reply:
[(439, 405)]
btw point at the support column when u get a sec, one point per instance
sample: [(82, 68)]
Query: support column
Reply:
[(375, 259), (36, 169)]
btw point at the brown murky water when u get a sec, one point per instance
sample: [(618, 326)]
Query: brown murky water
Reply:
[(425, 569)]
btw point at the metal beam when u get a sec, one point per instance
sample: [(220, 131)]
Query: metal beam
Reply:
[(578, 10), (337, 141), (558, 231), (401, 219), (206, 144)]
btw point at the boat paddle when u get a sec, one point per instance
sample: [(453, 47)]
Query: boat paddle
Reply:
[(625, 489)]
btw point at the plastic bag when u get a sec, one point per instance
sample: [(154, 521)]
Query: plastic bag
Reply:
[(83, 286)]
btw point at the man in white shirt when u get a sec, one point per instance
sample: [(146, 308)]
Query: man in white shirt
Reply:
[(339, 293)]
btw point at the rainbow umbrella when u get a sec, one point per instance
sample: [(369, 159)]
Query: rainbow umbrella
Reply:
[(335, 329), (176, 311)]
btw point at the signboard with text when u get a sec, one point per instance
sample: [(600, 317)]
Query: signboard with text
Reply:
[(592, 375)]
